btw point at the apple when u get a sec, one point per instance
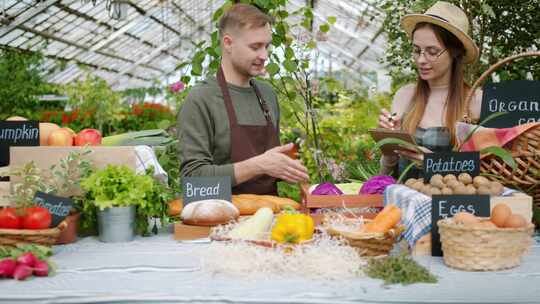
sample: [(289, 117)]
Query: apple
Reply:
[(45, 129), (90, 137), (70, 131), (60, 137)]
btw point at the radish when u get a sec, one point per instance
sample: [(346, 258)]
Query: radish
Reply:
[(41, 269), (7, 267), (27, 258), (22, 272)]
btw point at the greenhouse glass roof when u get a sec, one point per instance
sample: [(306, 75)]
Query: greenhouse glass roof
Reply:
[(134, 43)]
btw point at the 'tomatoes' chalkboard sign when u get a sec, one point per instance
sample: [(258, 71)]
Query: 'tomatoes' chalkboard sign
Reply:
[(443, 206), (451, 162), (59, 207), (207, 187), (519, 98), (17, 133)]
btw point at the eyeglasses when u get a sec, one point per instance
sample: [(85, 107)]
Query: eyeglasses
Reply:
[(430, 53)]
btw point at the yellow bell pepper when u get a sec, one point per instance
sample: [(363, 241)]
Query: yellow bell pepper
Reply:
[(293, 228)]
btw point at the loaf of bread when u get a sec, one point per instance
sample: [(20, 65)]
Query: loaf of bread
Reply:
[(281, 202), (210, 212), (248, 204)]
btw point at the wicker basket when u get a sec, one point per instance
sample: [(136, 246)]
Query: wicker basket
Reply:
[(46, 237), (368, 244), (525, 148), (483, 248)]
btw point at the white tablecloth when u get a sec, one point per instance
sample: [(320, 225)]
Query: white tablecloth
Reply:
[(161, 270)]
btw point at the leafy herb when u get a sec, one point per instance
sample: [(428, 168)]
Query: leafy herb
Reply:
[(399, 269), (41, 252)]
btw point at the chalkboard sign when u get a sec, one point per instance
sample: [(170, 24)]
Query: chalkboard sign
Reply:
[(59, 207), (17, 133), (207, 187), (451, 163), (519, 98), (443, 206)]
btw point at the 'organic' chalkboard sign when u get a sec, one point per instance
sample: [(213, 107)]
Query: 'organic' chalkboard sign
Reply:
[(58, 206), (519, 98), (206, 187), (17, 133), (443, 206), (451, 163)]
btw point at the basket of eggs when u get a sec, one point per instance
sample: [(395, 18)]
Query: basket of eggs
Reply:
[(485, 244)]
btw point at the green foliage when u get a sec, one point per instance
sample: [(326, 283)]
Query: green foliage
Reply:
[(93, 95), (500, 28), (399, 269), (117, 186), (22, 79)]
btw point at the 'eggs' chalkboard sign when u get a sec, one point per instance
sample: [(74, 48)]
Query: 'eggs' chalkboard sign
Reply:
[(17, 133), (58, 206), (206, 187), (443, 206), (519, 98), (451, 163)]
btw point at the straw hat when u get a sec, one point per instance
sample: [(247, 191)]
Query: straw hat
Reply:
[(449, 17)]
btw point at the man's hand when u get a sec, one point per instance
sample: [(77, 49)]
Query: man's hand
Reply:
[(276, 163)]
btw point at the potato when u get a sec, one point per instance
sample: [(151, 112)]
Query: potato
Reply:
[(447, 191), (496, 188), (465, 178), (435, 177), (483, 190), (461, 189), (455, 184), (417, 186), (426, 189), (479, 181), (410, 182), (435, 191), (471, 189), (449, 177)]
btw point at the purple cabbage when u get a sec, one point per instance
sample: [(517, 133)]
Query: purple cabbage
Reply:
[(377, 184), (326, 189)]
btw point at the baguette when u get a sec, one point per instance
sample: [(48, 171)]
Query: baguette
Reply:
[(282, 201), (248, 204)]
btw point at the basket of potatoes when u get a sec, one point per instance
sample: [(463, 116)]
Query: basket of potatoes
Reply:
[(450, 184), (485, 244)]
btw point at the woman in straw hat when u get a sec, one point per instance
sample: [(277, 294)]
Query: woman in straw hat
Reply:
[(430, 108)]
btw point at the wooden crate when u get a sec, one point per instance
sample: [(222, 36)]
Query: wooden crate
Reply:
[(310, 202), (184, 232)]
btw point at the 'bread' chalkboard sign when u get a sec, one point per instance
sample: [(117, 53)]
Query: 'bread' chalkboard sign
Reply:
[(206, 187), (443, 206), (451, 163), (519, 98), (17, 133)]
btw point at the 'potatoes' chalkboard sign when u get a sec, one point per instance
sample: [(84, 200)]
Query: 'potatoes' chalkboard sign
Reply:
[(451, 163), (206, 187), (58, 206), (519, 98), (17, 133), (443, 206)]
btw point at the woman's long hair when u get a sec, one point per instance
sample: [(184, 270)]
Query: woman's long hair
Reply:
[(455, 101)]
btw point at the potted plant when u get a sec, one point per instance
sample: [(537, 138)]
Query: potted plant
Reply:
[(116, 191)]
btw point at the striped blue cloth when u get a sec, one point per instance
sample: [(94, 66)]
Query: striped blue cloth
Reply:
[(415, 210)]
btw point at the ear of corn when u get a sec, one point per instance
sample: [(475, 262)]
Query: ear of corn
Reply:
[(155, 137)]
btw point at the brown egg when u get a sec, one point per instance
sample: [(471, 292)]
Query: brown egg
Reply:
[(515, 221), (466, 219), (499, 214), (487, 224)]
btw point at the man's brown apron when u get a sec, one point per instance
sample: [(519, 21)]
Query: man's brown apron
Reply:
[(250, 141)]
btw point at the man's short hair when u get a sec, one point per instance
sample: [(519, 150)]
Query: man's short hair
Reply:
[(240, 16)]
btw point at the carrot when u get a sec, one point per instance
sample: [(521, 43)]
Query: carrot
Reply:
[(384, 221)]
